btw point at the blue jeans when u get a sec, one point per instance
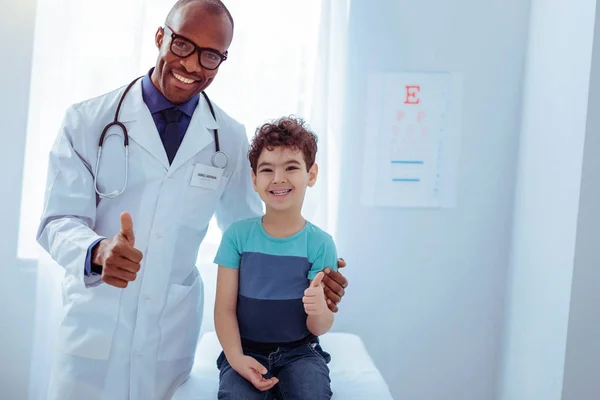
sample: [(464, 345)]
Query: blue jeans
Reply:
[(302, 372)]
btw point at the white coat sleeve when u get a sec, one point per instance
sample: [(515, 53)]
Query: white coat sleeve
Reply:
[(239, 200), (69, 213)]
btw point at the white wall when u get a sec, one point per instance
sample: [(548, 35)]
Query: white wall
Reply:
[(547, 201), (17, 276), (580, 380), (427, 286)]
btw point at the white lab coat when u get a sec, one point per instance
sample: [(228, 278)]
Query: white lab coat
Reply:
[(138, 342)]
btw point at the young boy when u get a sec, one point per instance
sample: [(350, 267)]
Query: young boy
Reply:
[(270, 307)]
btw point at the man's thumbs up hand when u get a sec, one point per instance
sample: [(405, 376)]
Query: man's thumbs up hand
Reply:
[(119, 259), (314, 297), (127, 228)]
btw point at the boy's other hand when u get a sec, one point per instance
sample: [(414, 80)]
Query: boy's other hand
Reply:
[(314, 297), (253, 372), (335, 283)]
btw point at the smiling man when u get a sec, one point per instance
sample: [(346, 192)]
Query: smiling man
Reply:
[(178, 76), (126, 223)]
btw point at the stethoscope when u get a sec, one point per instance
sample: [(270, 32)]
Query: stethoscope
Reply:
[(219, 159)]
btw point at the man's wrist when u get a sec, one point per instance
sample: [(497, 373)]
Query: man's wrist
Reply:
[(98, 257), (96, 269)]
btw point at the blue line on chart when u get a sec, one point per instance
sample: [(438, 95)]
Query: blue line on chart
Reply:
[(406, 180), (407, 162)]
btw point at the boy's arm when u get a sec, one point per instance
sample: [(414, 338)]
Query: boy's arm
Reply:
[(320, 318), (226, 323), (228, 331)]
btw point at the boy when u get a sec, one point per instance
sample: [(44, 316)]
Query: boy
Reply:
[(270, 307)]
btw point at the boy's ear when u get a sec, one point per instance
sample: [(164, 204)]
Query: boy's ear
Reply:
[(313, 172), (253, 179)]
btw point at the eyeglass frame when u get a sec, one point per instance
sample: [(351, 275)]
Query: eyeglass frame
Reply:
[(197, 49)]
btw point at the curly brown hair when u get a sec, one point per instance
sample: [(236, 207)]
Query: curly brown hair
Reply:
[(290, 132)]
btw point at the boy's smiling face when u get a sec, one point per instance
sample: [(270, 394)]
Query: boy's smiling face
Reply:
[(281, 178)]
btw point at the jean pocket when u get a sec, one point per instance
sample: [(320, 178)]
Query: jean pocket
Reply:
[(318, 351), (220, 360)]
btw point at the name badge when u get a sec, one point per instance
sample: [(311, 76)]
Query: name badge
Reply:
[(206, 177)]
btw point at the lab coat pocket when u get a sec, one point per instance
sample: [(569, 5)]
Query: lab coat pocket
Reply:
[(199, 202), (180, 321), (88, 327)]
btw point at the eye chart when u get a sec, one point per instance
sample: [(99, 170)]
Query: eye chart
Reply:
[(412, 140)]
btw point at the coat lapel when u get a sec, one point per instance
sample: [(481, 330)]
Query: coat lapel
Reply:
[(140, 126), (198, 135)]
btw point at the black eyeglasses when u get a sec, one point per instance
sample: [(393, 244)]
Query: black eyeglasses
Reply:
[(183, 47)]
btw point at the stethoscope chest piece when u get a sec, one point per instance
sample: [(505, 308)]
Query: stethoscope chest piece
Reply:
[(219, 160)]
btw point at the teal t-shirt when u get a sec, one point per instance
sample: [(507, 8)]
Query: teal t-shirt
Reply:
[(274, 272)]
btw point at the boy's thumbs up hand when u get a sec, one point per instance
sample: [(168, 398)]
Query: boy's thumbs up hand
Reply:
[(317, 281), (314, 297)]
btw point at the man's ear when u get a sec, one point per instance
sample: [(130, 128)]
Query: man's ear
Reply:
[(159, 37), (313, 172)]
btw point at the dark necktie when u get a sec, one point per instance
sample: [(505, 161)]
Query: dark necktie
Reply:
[(170, 138)]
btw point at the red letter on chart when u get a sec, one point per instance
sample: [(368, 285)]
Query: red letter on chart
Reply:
[(411, 94)]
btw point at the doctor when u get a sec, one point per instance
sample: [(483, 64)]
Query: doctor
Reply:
[(127, 226)]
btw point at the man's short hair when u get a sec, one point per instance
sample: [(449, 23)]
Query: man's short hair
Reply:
[(213, 7), (289, 132)]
